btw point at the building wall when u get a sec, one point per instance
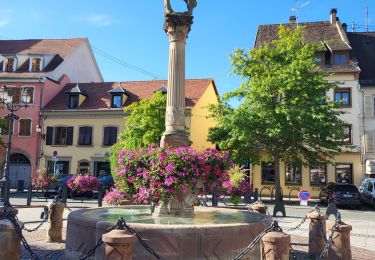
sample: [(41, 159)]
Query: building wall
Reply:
[(352, 158), (80, 66), (75, 152), (200, 124)]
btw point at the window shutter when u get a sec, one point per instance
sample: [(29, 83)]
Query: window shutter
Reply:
[(113, 138), (81, 136), (49, 135), (106, 139), (88, 135), (69, 138), (368, 106), (369, 142)]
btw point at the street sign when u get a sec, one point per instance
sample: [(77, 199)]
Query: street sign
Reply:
[(54, 154), (304, 196)]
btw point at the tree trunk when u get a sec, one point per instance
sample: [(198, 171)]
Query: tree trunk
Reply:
[(279, 203)]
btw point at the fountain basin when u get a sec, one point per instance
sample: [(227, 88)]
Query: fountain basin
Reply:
[(213, 233)]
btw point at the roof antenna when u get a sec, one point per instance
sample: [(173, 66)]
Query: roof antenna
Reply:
[(299, 7), (367, 21)]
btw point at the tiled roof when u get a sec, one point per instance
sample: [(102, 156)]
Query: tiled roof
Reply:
[(363, 44), (315, 32), (63, 47), (99, 98)]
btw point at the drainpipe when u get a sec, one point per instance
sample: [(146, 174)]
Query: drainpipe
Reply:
[(363, 151), (40, 119)]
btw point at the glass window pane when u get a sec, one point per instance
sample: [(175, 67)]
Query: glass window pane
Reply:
[(337, 96), (116, 101), (345, 98), (73, 101), (337, 59), (318, 174), (343, 59), (10, 65), (30, 92), (344, 173), (35, 65), (60, 136), (268, 172), (293, 174)]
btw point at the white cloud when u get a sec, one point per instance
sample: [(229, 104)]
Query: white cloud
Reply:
[(5, 17), (100, 20)]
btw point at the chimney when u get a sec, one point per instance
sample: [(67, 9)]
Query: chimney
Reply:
[(292, 19), (333, 14), (345, 27)]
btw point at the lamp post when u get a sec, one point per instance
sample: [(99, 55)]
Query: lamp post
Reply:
[(7, 101)]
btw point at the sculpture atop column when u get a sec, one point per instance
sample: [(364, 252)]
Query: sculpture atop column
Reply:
[(177, 25)]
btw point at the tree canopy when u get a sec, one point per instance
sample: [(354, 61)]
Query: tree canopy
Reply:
[(284, 111), (144, 125)]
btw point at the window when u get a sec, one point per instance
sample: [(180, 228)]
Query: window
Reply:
[(110, 135), (268, 172), (344, 173), (102, 168), (85, 135), (348, 134), (293, 174), (370, 187), (24, 127), (342, 95), (116, 101), (61, 168), (36, 64), (327, 58), (83, 167), (340, 59), (15, 93), (28, 91), (318, 175), (10, 65), (60, 135), (5, 126), (73, 101)]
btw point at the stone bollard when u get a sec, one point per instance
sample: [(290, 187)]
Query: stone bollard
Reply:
[(259, 208), (55, 222), (340, 247), (10, 243), (316, 238), (275, 246), (119, 245)]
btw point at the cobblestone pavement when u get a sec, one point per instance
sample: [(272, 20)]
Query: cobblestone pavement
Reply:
[(55, 251)]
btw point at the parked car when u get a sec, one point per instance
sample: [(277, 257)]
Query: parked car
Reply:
[(106, 180), (341, 195), (367, 190)]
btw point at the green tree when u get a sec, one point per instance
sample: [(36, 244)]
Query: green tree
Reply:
[(3, 124), (144, 125), (283, 112)]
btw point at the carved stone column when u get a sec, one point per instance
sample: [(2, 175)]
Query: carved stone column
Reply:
[(177, 27)]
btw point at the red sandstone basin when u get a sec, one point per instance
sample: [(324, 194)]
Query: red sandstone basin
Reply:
[(198, 238)]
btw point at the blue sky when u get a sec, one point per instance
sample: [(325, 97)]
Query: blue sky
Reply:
[(132, 30)]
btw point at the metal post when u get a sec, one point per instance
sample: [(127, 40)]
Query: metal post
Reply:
[(64, 194), (215, 199), (100, 195), (29, 194), (5, 183)]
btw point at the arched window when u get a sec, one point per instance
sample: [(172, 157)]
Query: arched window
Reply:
[(83, 167), (19, 158)]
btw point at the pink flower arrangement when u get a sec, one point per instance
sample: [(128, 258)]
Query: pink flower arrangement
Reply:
[(83, 183), (152, 174), (114, 197), (40, 182)]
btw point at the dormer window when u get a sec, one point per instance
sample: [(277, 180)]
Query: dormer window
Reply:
[(118, 97), (340, 59), (36, 64), (73, 101), (10, 64), (76, 96), (116, 101)]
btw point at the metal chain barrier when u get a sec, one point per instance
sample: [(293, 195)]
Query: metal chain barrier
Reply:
[(36, 228), (18, 230), (91, 252), (329, 242), (274, 227), (121, 224)]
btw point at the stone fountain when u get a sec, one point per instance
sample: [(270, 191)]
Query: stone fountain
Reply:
[(177, 230)]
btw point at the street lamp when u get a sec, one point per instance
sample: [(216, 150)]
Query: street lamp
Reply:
[(7, 101)]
